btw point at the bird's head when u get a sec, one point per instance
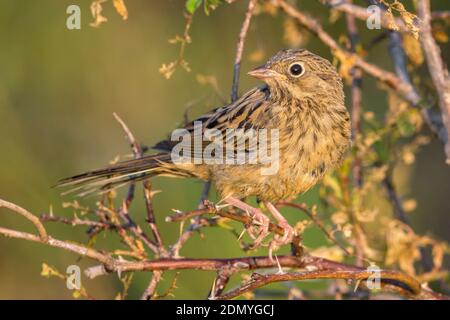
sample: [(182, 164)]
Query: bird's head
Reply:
[(301, 74)]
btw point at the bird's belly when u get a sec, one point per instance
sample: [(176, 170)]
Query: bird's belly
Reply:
[(301, 165), (247, 180)]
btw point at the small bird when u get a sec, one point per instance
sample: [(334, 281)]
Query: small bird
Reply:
[(302, 99)]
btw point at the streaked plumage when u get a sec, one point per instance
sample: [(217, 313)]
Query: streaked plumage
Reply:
[(308, 110)]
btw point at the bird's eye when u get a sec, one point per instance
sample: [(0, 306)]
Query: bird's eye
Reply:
[(296, 69)]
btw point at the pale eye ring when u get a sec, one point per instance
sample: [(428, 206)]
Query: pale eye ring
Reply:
[(296, 69)]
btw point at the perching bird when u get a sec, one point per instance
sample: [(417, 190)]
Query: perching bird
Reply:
[(302, 100)]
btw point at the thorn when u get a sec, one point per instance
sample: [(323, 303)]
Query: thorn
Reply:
[(357, 285), (242, 234), (212, 296), (280, 270), (219, 207)]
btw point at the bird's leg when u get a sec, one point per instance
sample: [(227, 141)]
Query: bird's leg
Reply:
[(260, 219), (288, 234)]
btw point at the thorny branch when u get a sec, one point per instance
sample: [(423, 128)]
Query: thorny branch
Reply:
[(148, 195), (438, 70), (312, 267), (356, 94), (157, 247)]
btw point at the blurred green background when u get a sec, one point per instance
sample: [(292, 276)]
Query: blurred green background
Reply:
[(59, 88)]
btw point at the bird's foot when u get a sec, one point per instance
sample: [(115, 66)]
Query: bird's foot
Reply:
[(261, 222), (259, 229), (279, 241), (288, 231)]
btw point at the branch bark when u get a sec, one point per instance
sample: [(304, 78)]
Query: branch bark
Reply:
[(313, 267), (438, 70)]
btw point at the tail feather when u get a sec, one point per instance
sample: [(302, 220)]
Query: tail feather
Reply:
[(120, 174)]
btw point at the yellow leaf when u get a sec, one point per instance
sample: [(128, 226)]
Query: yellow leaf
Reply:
[(96, 10), (121, 8), (48, 271), (409, 205), (413, 49), (339, 218), (333, 253), (440, 35)]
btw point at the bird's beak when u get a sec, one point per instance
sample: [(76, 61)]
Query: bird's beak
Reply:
[(262, 73)]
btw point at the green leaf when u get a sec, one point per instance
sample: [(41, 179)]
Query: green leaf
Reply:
[(405, 127), (382, 150), (192, 5), (211, 5)]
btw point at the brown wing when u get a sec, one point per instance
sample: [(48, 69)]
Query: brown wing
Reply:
[(241, 114)]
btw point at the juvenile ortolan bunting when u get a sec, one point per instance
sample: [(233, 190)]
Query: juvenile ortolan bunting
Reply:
[(302, 99)]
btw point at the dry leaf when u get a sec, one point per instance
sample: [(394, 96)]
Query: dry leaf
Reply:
[(333, 253), (409, 205), (413, 49), (96, 10), (440, 34), (121, 8)]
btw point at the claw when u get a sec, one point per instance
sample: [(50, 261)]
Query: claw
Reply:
[(259, 228), (262, 222), (288, 231), (280, 270)]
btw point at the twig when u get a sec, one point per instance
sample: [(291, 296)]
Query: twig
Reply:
[(361, 13), (151, 288), (440, 15), (438, 70), (356, 96), (240, 49), (29, 216), (151, 216), (259, 280), (80, 222), (220, 282), (137, 151), (180, 216), (196, 225), (304, 208), (399, 213)]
